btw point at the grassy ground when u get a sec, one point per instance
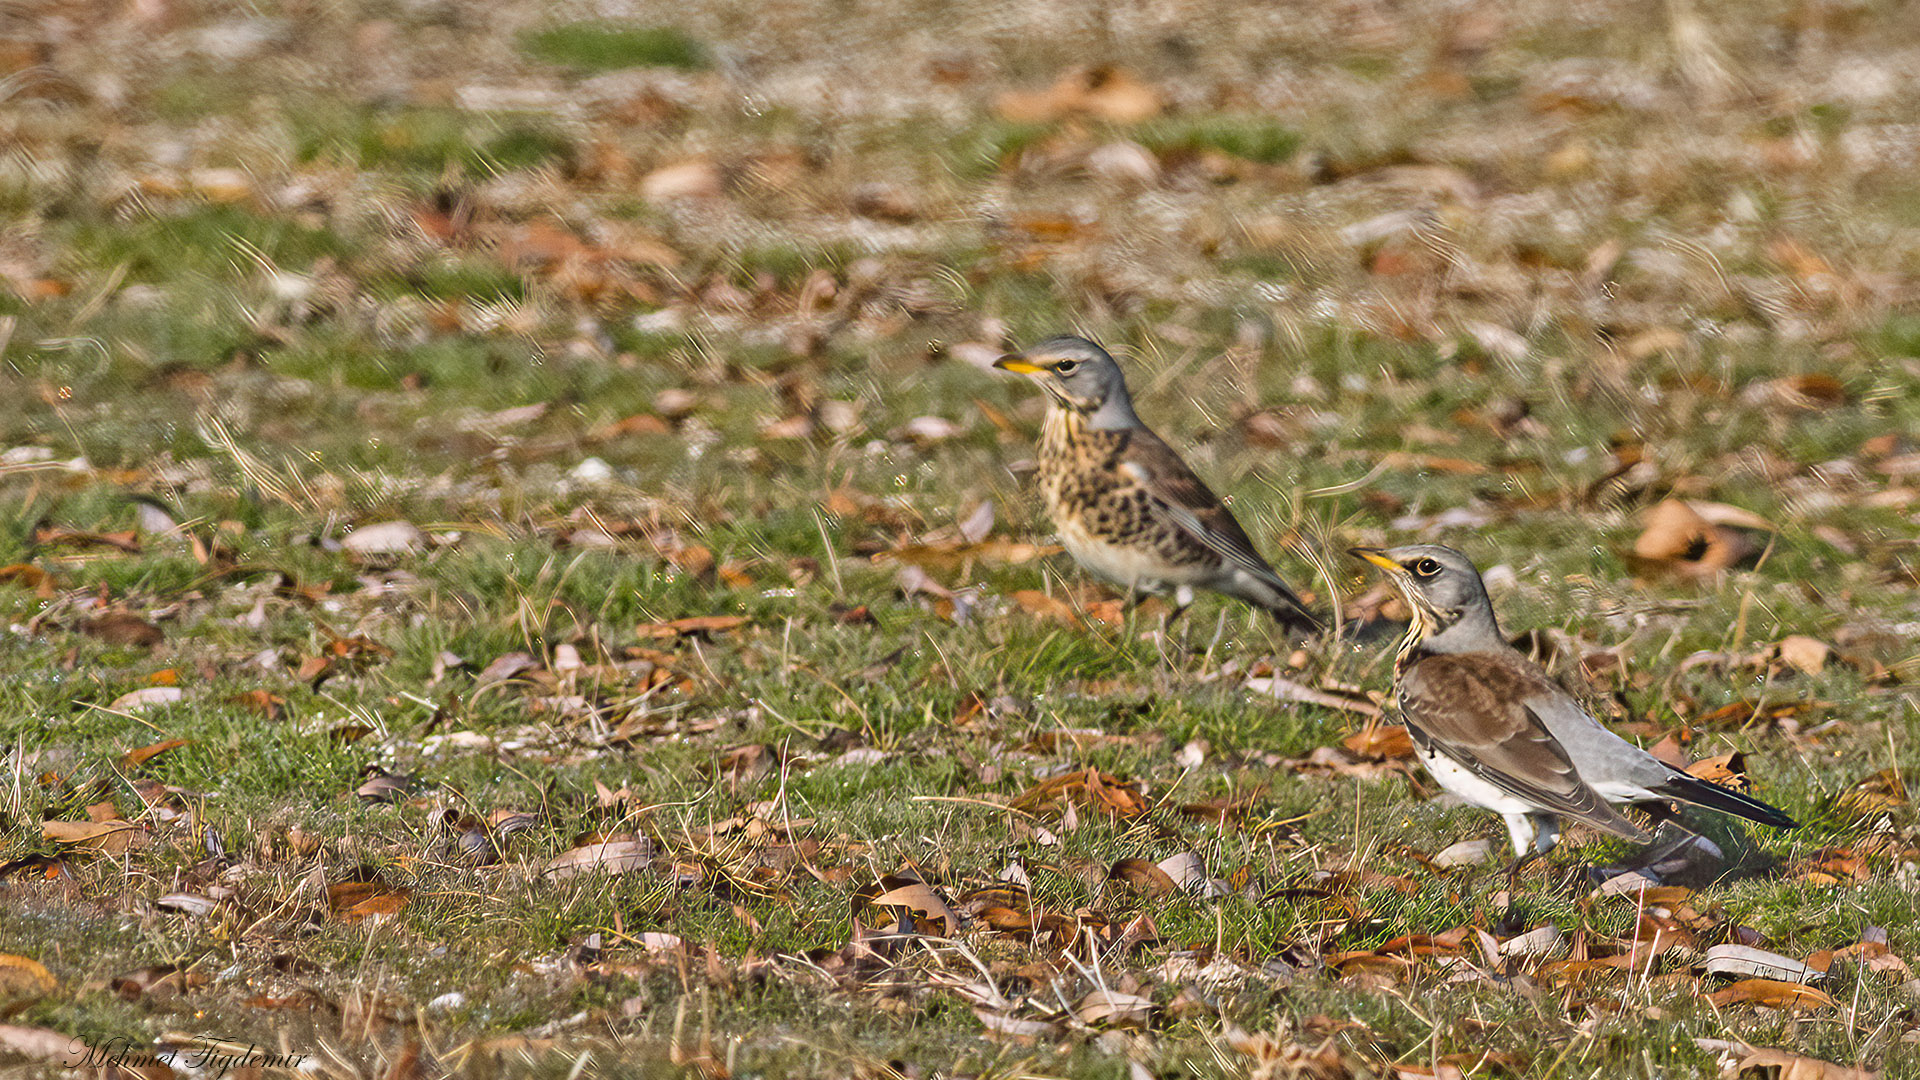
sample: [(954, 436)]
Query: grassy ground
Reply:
[(685, 314)]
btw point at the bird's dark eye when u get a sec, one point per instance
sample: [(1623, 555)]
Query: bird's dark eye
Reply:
[(1065, 367), (1425, 568)]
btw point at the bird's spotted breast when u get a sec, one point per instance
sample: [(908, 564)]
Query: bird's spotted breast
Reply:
[(1104, 516)]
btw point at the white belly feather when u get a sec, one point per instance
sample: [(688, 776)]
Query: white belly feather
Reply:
[(1469, 788), (1127, 567)]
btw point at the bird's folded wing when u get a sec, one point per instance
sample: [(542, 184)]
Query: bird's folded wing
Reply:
[(1192, 506), (1451, 704)]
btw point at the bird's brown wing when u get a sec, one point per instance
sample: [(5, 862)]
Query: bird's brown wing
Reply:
[(1468, 707), (1190, 504)]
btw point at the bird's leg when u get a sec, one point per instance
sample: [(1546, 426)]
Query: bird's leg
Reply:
[(1182, 600), (1546, 832), (1530, 842), (1520, 832)]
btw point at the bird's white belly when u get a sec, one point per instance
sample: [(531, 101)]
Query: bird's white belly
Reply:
[(1469, 788), (1130, 567)]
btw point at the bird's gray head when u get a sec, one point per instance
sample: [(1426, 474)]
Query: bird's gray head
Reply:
[(1451, 612), (1078, 375)]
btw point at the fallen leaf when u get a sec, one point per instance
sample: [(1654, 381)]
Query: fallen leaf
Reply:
[(1745, 961), (1696, 538), (1381, 741), (384, 538), (1288, 690), (1100, 791), (1001, 1026), (692, 626), (1740, 1059), (1876, 794), (1770, 994), (617, 855), (998, 551), (146, 697), (1143, 876), (23, 977), (42, 1044), (265, 702), (359, 900), (1100, 92), (692, 179), (920, 897), (1114, 1008), (1727, 770), (112, 837), (133, 759), (1805, 654), (124, 628)]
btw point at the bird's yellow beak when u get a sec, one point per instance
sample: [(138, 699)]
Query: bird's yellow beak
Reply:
[(1377, 558), (1017, 364)]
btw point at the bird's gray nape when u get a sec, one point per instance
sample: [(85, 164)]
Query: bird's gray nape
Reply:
[(1115, 413)]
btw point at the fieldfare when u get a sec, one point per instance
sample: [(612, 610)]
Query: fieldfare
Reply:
[(1494, 729), (1126, 507)]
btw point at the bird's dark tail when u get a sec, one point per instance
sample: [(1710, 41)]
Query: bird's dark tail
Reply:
[(1724, 799)]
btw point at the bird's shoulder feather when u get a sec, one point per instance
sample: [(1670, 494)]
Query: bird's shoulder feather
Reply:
[(1473, 708), (1188, 501)]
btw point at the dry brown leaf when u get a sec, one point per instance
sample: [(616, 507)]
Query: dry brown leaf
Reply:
[(25, 575), (1283, 1059), (1783, 1065), (133, 759), (112, 837), (1805, 654), (1883, 791), (1288, 690), (24, 977), (1727, 770), (1046, 608), (1770, 994), (1695, 538), (997, 550), (360, 900), (1830, 866), (692, 625), (41, 1044), (1142, 875), (614, 855), (123, 628), (127, 541), (1001, 1026), (1382, 741), (1100, 791), (265, 702), (1102, 93), (1113, 1008), (920, 897)]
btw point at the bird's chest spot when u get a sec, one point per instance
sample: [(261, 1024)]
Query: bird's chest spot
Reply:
[(1080, 471)]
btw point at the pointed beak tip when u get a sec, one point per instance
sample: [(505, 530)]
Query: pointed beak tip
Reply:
[(1015, 363), (1374, 556)]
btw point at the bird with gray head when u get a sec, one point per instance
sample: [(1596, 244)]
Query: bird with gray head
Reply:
[(1495, 729), (1126, 507)]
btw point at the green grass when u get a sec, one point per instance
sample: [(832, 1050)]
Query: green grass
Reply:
[(594, 47), (359, 341)]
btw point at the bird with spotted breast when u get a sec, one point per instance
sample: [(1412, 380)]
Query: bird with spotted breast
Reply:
[(1498, 732), (1126, 507)]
